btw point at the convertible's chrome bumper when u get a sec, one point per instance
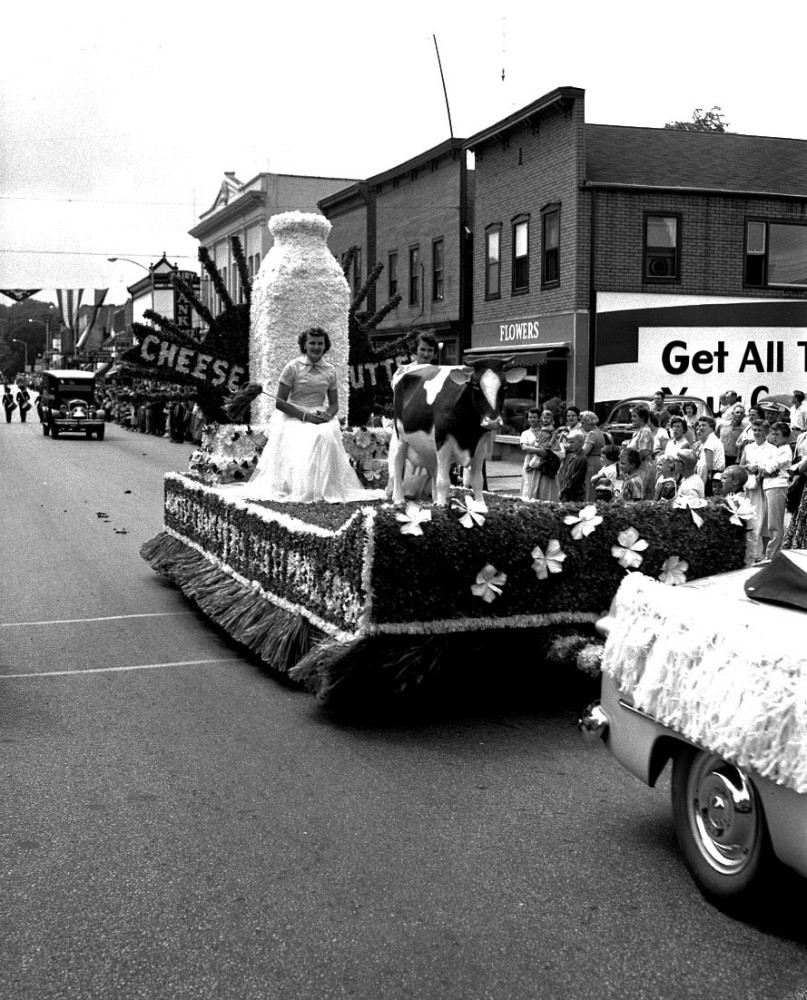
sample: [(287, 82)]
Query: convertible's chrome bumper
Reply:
[(593, 724)]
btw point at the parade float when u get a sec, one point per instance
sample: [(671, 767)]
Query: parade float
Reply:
[(365, 603)]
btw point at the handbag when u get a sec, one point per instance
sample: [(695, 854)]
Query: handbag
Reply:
[(534, 462), (550, 465), (794, 492)]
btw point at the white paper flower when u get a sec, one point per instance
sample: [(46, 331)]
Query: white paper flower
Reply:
[(674, 571), (742, 510), (629, 549), (473, 511), (489, 583), (550, 561), (370, 470), (583, 523), (693, 504), (412, 519)]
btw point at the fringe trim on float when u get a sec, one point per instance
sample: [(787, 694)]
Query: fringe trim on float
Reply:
[(735, 685), (279, 637)]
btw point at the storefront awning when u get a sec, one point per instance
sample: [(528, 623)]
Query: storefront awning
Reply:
[(533, 354)]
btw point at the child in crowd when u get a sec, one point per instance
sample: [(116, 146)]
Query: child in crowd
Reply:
[(605, 481), (632, 481), (666, 485), (690, 485)]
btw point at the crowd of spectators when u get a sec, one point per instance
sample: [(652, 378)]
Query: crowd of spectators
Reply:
[(672, 452), (154, 408)]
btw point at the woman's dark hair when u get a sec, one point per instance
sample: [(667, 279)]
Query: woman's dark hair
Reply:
[(313, 331), (573, 408), (680, 421), (429, 339), (690, 407), (633, 457), (642, 411), (653, 420), (783, 427), (611, 452), (533, 409), (674, 410)]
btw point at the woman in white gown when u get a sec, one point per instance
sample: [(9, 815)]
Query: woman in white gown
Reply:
[(304, 459)]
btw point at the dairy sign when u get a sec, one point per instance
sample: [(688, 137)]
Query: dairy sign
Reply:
[(699, 346)]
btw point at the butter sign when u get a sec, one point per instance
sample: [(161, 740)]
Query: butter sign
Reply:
[(519, 332)]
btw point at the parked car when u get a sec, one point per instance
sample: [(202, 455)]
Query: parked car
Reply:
[(619, 424), (68, 404), (734, 826)]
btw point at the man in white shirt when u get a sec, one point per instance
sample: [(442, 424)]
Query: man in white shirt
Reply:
[(711, 456), (798, 411)]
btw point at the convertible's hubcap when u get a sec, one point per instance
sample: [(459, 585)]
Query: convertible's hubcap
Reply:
[(725, 815)]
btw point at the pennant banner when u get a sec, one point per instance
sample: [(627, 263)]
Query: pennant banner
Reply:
[(19, 294), (99, 294), (69, 300)]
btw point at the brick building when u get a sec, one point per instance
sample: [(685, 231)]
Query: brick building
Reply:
[(607, 258), (243, 210), (416, 219)]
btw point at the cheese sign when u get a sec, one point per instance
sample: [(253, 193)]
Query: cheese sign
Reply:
[(188, 362)]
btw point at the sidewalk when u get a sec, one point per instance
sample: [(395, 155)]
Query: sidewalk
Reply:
[(504, 475)]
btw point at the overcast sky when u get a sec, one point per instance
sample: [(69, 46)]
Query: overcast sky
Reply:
[(117, 128)]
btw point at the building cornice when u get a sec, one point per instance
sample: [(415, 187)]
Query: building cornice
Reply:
[(241, 206), (682, 189), (559, 98)]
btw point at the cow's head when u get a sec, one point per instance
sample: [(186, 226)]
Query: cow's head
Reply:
[(488, 380)]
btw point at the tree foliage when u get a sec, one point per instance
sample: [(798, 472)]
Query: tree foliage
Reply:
[(702, 121)]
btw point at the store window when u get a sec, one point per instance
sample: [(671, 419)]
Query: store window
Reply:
[(438, 247), (414, 276), (550, 264), (662, 248), (493, 262), (392, 274), (521, 255), (775, 254)]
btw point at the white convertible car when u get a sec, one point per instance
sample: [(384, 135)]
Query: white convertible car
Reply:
[(713, 676)]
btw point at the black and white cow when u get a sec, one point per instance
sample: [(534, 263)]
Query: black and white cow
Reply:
[(444, 414)]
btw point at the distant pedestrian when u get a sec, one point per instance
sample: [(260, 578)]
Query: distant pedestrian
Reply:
[(8, 403), (24, 402)]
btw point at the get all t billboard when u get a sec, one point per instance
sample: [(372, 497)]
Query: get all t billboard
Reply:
[(699, 346)]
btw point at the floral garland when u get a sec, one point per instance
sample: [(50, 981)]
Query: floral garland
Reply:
[(368, 451), (228, 453)]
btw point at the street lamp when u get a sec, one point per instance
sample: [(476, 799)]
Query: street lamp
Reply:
[(113, 260), (14, 340)]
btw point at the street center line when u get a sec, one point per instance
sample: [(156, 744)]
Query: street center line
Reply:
[(110, 670), (110, 618)]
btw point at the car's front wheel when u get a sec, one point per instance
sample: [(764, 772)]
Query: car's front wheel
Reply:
[(720, 827)]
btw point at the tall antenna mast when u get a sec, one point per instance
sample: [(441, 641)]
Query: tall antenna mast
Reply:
[(504, 46), (445, 92)]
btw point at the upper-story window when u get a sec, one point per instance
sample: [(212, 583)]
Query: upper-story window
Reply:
[(550, 231), (392, 274), (493, 262), (414, 276), (521, 255), (775, 253), (438, 250), (662, 248)]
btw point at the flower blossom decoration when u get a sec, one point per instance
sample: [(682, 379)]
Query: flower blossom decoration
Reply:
[(548, 562), (489, 583), (741, 509), (693, 504), (412, 519), (370, 470), (629, 549), (674, 571), (583, 523), (473, 511)]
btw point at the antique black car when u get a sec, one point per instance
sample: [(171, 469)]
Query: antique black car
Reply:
[(68, 404)]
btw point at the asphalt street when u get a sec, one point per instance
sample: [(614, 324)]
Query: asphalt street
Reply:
[(179, 823)]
